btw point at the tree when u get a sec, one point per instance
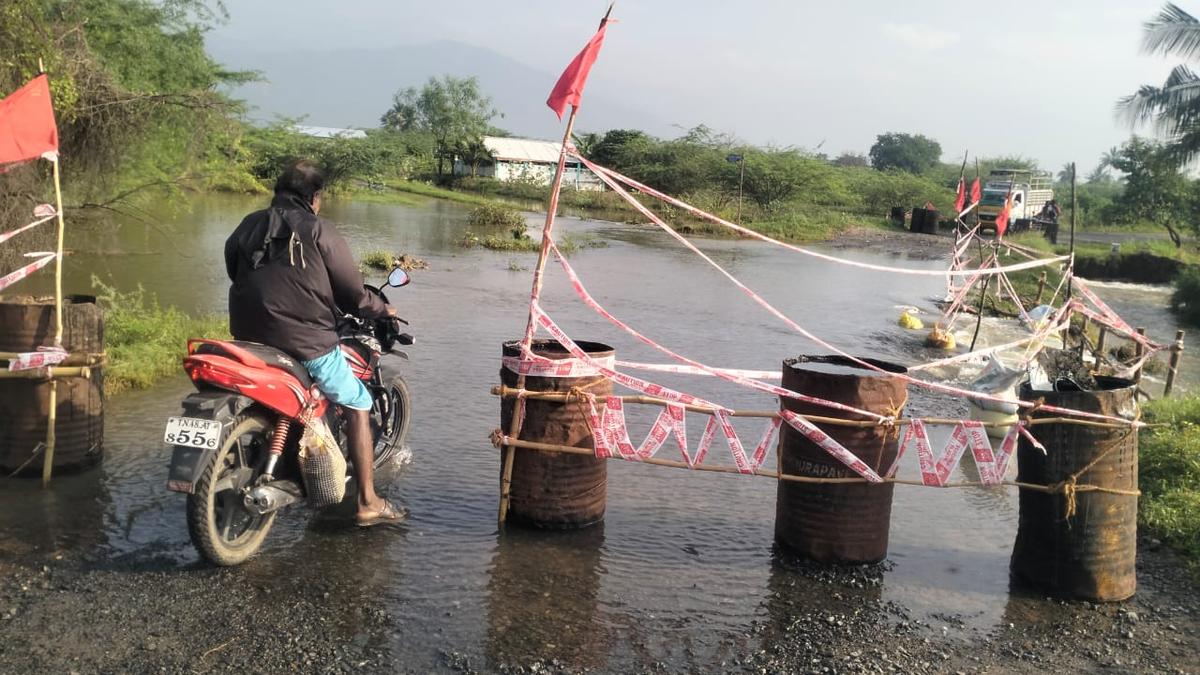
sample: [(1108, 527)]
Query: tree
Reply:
[(606, 152), (1064, 174), (908, 152), (586, 143), (452, 109), (473, 153), (1099, 176), (1173, 107), (851, 159), (1155, 189)]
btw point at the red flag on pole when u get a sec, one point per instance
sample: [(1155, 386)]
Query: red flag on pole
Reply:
[(569, 88), (962, 195), (1002, 217), (976, 191), (27, 129)]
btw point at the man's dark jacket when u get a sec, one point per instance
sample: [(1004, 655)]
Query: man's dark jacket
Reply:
[(292, 275)]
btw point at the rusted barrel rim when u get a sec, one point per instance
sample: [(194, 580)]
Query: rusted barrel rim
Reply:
[(551, 349), (797, 364)]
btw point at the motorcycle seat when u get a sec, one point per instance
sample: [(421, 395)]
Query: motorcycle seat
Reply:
[(273, 357)]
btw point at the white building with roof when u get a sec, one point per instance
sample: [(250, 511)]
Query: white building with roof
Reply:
[(329, 132), (527, 159)]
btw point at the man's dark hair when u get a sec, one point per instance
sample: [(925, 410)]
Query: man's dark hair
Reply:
[(302, 178)]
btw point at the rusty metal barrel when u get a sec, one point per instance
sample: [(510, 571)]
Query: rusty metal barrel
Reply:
[(841, 523), (1089, 554), (917, 220), (930, 223), (28, 323), (551, 489)]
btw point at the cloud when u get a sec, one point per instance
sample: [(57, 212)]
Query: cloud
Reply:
[(920, 37)]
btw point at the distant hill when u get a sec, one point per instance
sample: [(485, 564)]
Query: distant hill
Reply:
[(353, 87)]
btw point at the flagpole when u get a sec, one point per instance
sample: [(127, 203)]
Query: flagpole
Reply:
[(52, 416), (518, 413)]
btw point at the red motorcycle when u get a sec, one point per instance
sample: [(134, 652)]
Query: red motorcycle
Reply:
[(236, 444)]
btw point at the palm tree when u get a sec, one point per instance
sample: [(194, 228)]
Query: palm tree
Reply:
[(1174, 107), (586, 143)]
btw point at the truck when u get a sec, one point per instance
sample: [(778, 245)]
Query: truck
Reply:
[(1030, 192)]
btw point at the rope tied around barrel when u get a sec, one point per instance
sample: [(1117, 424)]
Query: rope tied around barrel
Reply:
[(577, 395), (1070, 487)]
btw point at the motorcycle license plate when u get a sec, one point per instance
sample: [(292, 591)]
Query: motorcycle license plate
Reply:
[(193, 432)]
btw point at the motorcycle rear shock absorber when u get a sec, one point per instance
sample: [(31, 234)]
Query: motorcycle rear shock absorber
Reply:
[(282, 427)]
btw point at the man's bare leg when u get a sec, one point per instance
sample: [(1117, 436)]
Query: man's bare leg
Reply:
[(362, 455)]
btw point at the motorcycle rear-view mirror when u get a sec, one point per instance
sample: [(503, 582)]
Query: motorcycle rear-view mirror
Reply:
[(398, 278)]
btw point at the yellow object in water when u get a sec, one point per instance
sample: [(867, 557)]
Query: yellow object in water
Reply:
[(941, 339), (910, 321)]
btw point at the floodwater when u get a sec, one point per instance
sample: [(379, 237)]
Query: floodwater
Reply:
[(682, 567)]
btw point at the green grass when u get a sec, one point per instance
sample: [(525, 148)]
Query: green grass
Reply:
[(376, 260), (146, 342), (1169, 474), (385, 196), (435, 192), (1165, 248), (517, 241)]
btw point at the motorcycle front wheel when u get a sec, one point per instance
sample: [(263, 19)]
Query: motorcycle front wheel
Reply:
[(221, 528), (390, 419)]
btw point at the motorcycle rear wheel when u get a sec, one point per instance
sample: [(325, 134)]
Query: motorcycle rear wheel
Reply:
[(221, 528)]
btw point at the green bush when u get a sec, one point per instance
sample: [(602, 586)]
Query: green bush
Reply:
[(1185, 300), (497, 215), (1169, 473), (146, 342), (376, 260)]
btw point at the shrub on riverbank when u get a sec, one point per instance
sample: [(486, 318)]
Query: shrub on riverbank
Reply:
[(497, 215), (1185, 299), (376, 260), (145, 341), (1169, 473)]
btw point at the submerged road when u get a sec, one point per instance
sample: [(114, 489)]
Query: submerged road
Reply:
[(97, 574)]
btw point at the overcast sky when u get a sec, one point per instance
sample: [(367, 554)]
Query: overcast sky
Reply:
[(1027, 77)]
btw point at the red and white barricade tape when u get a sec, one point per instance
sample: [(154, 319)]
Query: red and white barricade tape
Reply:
[(587, 298), (604, 173), (835, 449), (935, 471), (540, 366), (44, 356), (18, 275), (692, 370), (43, 213)]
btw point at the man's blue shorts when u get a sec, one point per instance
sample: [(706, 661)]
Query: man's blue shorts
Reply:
[(334, 379)]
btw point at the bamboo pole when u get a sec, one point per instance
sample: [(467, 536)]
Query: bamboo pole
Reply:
[(518, 415), (47, 373), (1074, 210), (1099, 351), (1173, 367), (565, 397), (1139, 352), (1041, 288), (58, 296), (51, 434)]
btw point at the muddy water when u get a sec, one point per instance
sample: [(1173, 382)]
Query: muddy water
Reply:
[(683, 567)]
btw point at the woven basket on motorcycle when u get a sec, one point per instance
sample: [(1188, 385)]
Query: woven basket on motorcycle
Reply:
[(321, 464)]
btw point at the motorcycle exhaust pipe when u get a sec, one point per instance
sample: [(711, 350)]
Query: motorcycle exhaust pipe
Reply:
[(271, 497)]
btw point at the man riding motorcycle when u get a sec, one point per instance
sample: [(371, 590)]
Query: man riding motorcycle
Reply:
[(293, 278)]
